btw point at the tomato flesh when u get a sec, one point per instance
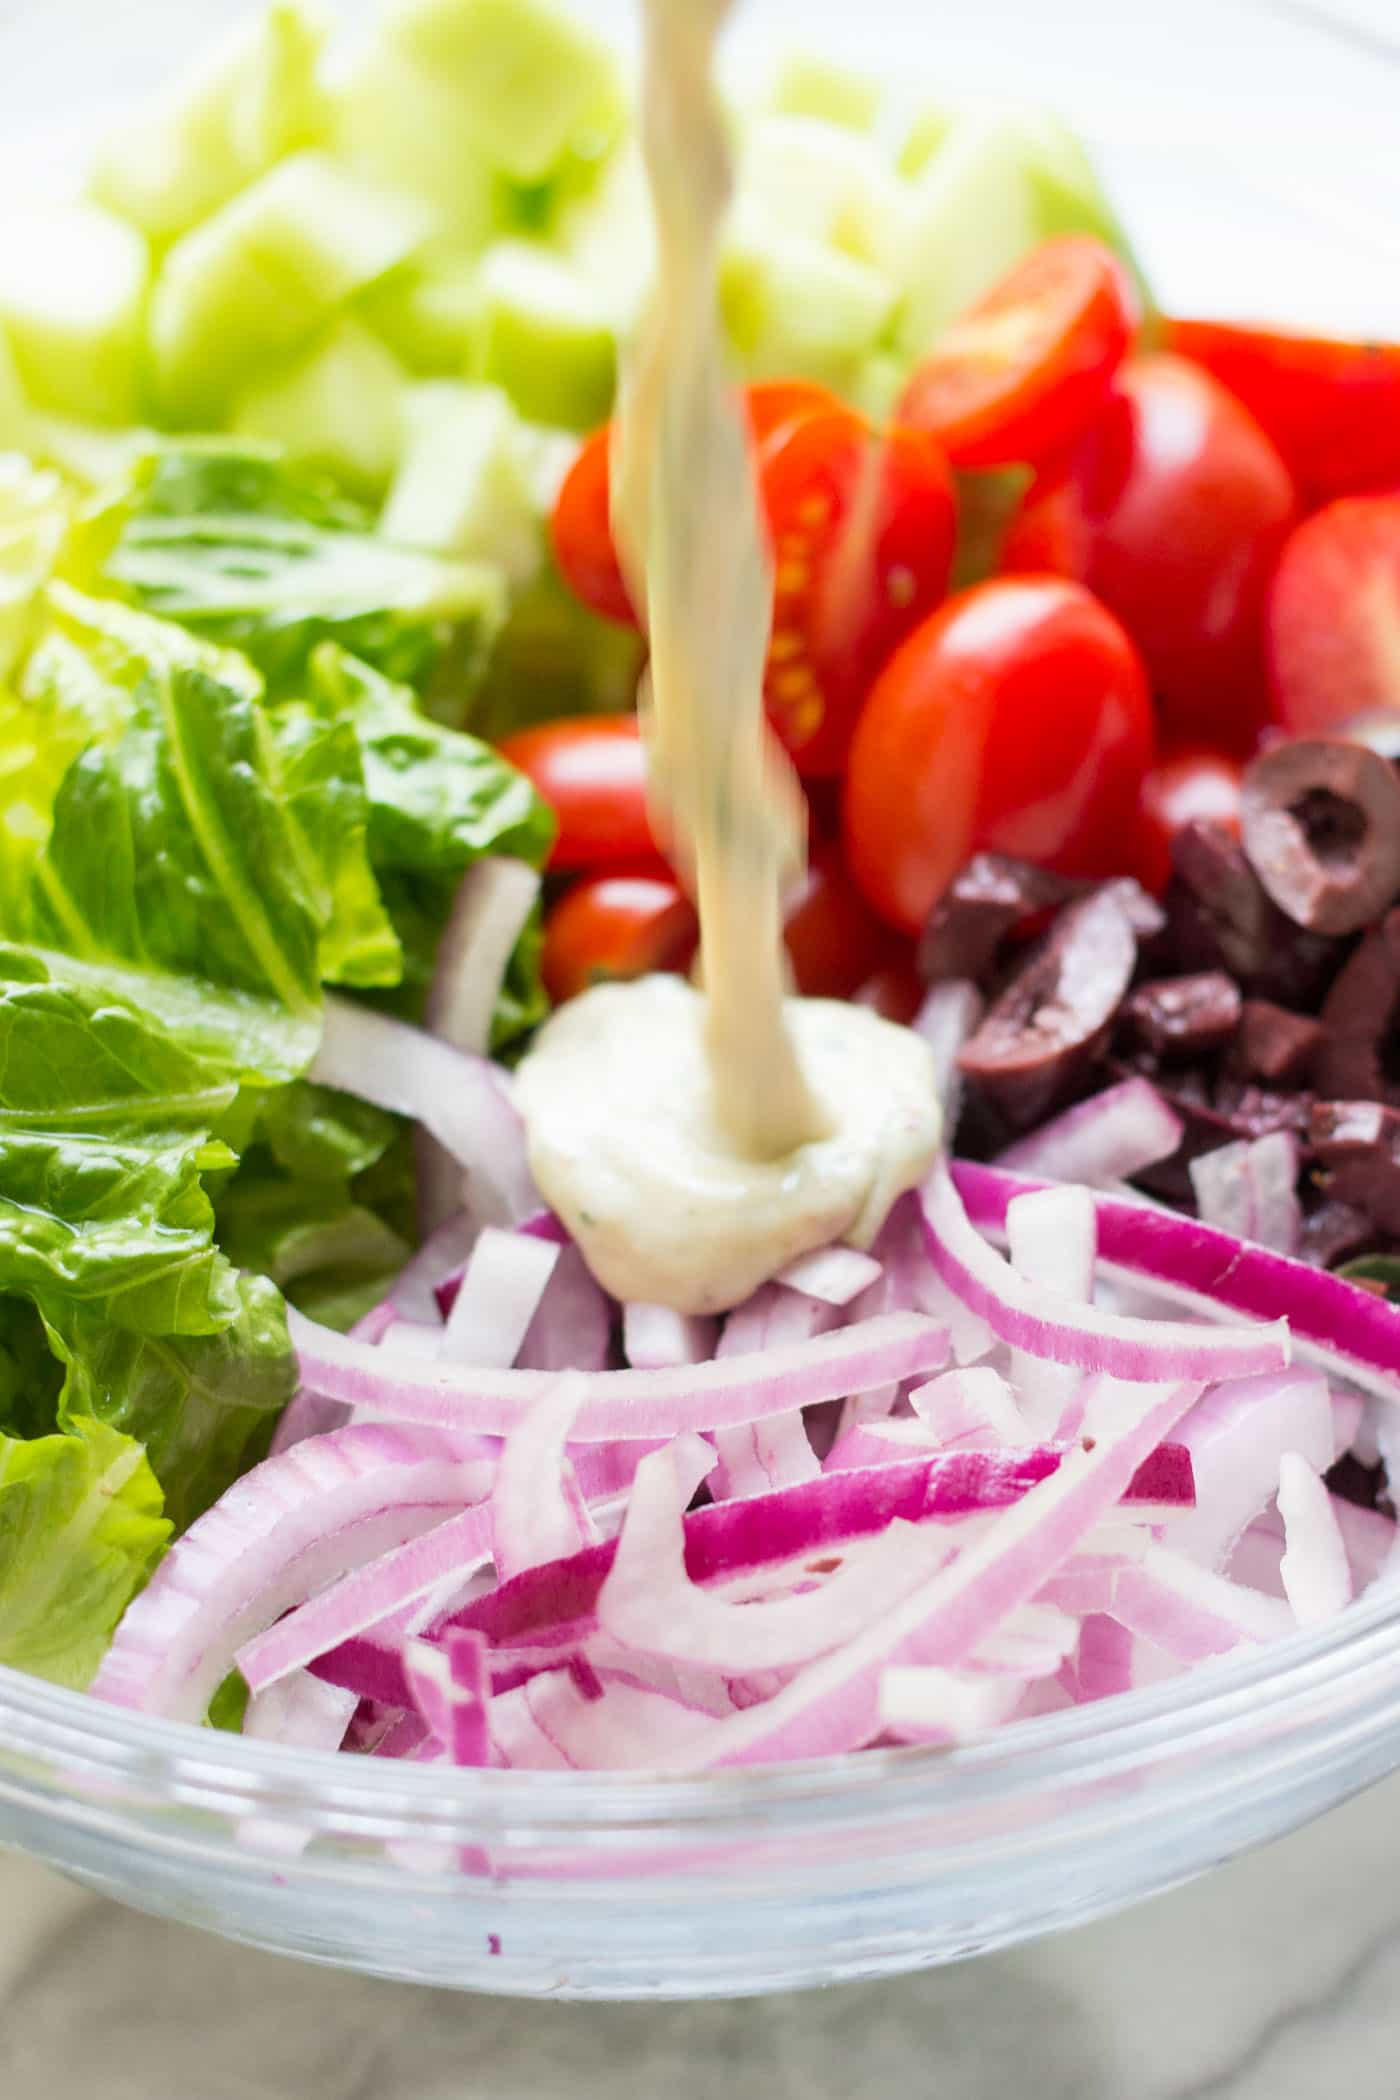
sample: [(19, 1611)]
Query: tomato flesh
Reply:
[(1331, 407), (616, 927), (1021, 374), (774, 405), (1184, 787), (591, 770), (864, 529), (1173, 509), (1334, 616), (1016, 720), (581, 531), (835, 942)]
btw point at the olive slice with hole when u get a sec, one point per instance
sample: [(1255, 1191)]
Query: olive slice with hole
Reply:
[(1321, 827)]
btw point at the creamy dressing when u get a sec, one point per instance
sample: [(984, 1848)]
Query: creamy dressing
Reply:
[(695, 1142)]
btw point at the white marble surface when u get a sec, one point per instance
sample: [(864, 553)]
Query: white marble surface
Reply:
[(1276, 1978)]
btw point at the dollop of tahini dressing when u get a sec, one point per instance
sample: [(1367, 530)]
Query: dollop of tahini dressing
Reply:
[(695, 1142)]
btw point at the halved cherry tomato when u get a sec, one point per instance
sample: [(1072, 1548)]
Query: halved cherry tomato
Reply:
[(864, 528), (582, 533), (1017, 720), (895, 993), (582, 524), (1184, 787), (1023, 371), (591, 770), (1334, 616), (1331, 407), (616, 926), (833, 938), (1173, 508)]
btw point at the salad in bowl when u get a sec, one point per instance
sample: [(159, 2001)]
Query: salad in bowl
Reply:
[(700, 876)]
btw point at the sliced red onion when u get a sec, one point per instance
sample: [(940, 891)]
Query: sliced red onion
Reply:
[(1333, 1322), (1110, 1137), (415, 1295), (1315, 1571), (1251, 1190), (572, 1329), (1040, 1324), (835, 1275), (534, 1519), (302, 1713), (1192, 1613), (1369, 1539), (657, 1338), (489, 913), (833, 1705), (776, 1453), (623, 1405), (462, 1102), (628, 1729), (1235, 1436), (1051, 1242), (965, 1403), (899, 1252), (451, 1687), (1104, 1665), (930, 1705), (501, 1290), (649, 1603), (1031, 1642), (947, 1020), (878, 1444), (292, 1525)]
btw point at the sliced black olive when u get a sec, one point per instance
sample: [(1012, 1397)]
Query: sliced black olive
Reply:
[(1321, 825), (1359, 1020), (1356, 1145), (1185, 1016), (1221, 918), (1274, 1045), (990, 900)]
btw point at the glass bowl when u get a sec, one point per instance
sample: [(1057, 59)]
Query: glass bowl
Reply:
[(1252, 150)]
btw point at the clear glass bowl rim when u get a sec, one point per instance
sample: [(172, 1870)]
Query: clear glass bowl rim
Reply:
[(1190, 1719)]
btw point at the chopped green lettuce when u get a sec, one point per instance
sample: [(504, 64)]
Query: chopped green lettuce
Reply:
[(80, 1530)]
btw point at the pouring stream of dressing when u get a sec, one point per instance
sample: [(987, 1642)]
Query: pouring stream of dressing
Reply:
[(695, 1143)]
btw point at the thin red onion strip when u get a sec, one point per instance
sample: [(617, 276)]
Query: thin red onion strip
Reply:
[(1111, 1137)]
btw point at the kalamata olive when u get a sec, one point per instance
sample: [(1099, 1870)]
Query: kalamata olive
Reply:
[(991, 899), (1274, 1045), (1185, 1016), (1050, 1020), (1356, 1145), (1359, 1017), (1321, 827), (1220, 918)]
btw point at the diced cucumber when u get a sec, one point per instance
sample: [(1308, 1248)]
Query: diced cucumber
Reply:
[(927, 135), (529, 84), (72, 289), (610, 239), (88, 453), (340, 406), (975, 213), (427, 312), (814, 87), (812, 178), (543, 336), (255, 99), (463, 488), (795, 308), (262, 274), (401, 126)]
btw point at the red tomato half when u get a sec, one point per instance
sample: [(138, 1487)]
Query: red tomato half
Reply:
[(863, 530), (1017, 720), (1332, 408), (616, 926), (1173, 509), (1334, 616), (591, 770), (834, 940), (1023, 372), (1184, 787), (582, 533), (774, 405)]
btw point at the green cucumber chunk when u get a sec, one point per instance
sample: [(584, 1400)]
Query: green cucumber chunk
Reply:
[(463, 487), (807, 86), (542, 335), (339, 406), (795, 308), (73, 282)]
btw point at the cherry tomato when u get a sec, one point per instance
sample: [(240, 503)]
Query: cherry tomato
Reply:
[(582, 533), (863, 529), (1334, 616), (1173, 509), (895, 993), (591, 770), (1331, 407), (834, 940), (582, 525), (1184, 787), (616, 926), (1017, 720), (1022, 373)]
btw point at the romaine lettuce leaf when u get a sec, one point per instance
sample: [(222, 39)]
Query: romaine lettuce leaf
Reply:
[(80, 1530), (267, 558)]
